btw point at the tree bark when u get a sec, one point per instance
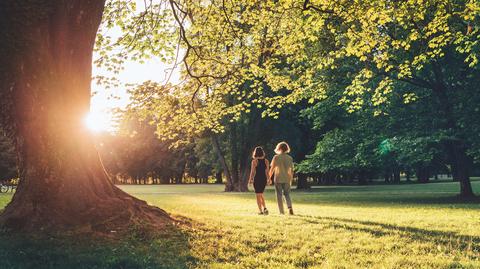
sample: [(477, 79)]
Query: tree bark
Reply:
[(63, 185)]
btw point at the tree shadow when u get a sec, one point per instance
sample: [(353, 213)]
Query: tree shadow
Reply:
[(451, 240), (391, 199), (434, 200), (166, 249)]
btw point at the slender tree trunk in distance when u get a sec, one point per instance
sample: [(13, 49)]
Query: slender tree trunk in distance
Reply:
[(459, 159), (250, 138), (221, 158), (244, 173), (387, 177), (396, 175), (302, 183), (407, 175), (362, 178), (218, 178), (242, 136), (47, 68), (423, 174), (460, 168), (235, 183)]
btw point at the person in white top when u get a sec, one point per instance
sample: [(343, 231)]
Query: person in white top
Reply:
[(282, 171)]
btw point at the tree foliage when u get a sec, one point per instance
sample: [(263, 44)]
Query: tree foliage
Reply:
[(267, 54), (365, 56)]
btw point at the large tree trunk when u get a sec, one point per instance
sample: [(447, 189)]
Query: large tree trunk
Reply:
[(62, 182)]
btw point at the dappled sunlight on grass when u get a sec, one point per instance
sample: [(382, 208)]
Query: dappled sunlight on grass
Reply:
[(406, 226), (373, 226)]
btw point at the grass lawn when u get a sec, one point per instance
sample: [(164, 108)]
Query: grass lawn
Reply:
[(382, 226)]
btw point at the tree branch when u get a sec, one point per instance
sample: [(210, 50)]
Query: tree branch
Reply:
[(308, 6)]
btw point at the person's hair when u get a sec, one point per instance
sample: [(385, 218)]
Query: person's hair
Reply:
[(282, 147), (258, 153)]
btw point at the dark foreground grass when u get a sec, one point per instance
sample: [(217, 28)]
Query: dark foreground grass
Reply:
[(73, 252), (406, 226)]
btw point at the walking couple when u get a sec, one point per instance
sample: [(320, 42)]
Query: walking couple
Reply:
[(282, 170)]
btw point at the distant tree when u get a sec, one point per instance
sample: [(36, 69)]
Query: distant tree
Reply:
[(136, 155), (208, 162), (405, 137)]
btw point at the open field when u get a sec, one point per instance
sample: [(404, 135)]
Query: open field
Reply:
[(382, 226)]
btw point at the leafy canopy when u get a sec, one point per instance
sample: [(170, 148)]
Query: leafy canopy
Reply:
[(236, 55)]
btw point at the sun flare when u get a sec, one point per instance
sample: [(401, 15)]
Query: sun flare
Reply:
[(97, 121)]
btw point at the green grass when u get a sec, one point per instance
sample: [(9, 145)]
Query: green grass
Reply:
[(382, 226)]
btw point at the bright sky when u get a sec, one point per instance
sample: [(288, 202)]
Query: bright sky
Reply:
[(104, 100)]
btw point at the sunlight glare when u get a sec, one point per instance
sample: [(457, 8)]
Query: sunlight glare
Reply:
[(98, 122)]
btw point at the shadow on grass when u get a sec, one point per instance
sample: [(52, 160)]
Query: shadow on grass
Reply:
[(374, 199), (449, 240), (433, 199), (419, 199), (168, 249), (368, 196)]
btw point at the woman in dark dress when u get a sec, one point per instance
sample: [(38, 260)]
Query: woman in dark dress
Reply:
[(258, 176)]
